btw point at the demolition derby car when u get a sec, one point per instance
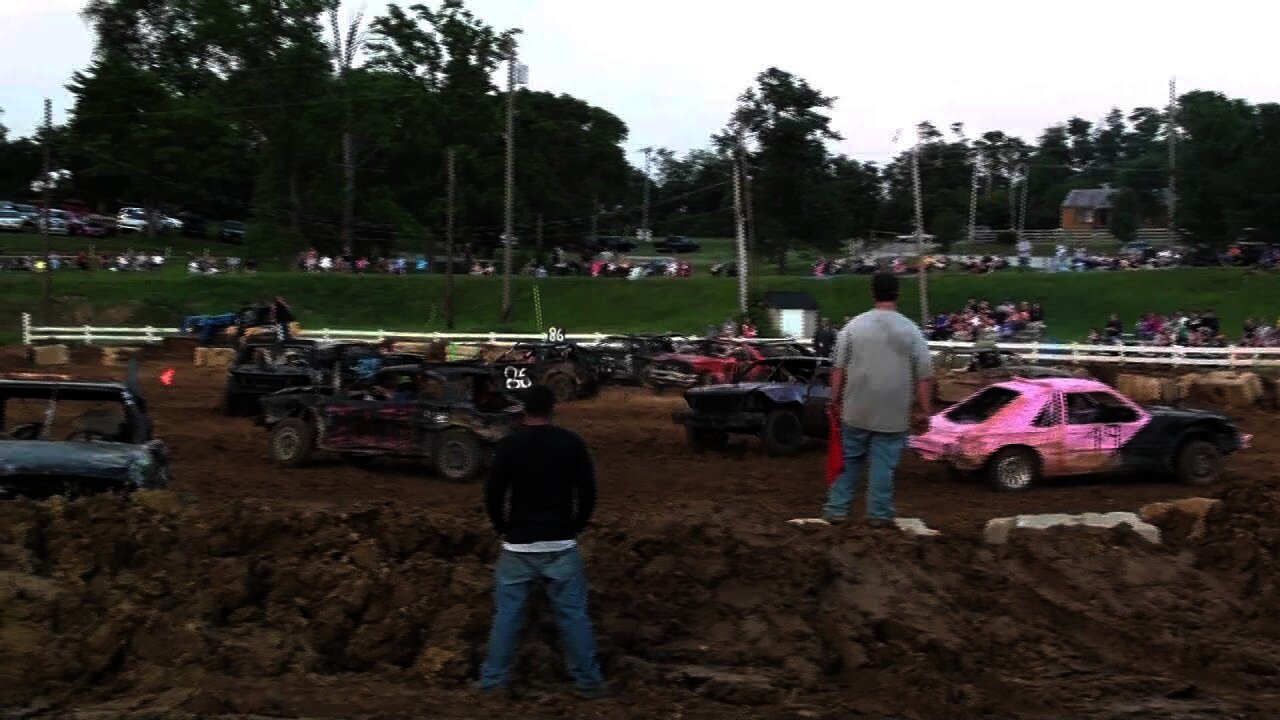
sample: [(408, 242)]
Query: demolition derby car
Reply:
[(781, 400), (233, 327), (449, 415), (715, 361), (261, 368), (570, 370), (960, 373), (1020, 431), (75, 437)]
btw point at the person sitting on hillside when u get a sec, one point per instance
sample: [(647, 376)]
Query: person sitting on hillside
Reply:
[(748, 329), (1114, 329)]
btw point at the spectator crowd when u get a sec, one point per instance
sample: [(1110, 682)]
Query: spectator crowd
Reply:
[(1189, 329), (980, 319)]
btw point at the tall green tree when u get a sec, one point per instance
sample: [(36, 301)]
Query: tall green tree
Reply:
[(786, 120)]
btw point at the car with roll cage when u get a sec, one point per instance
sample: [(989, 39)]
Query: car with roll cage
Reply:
[(570, 370), (1018, 432), (624, 358), (261, 368), (781, 400), (713, 361), (449, 414)]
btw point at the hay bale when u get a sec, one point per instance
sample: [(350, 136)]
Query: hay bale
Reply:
[(1139, 388), (1187, 514), (214, 357), (1223, 389), (121, 355), (50, 355)]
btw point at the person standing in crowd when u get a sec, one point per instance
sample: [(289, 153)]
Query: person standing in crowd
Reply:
[(1114, 329), (281, 316), (748, 329), (881, 363), (540, 495), (824, 339)]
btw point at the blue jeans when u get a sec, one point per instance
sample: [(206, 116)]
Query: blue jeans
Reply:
[(566, 586), (884, 450)]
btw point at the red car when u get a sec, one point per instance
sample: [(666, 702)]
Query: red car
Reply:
[(716, 362)]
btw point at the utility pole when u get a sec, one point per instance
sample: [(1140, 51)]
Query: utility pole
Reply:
[(450, 192), (919, 210), (752, 255), (1173, 159), (1022, 207), (973, 201), (514, 70), (344, 54), (46, 285), (738, 224), (644, 212)]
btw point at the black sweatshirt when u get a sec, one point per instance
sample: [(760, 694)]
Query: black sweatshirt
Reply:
[(546, 472)]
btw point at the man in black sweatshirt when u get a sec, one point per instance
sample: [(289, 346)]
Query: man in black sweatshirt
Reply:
[(539, 496)]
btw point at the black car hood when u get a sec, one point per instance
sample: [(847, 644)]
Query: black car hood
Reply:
[(106, 460), (1172, 413)]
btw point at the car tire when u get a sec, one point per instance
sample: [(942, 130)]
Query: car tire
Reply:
[(1013, 469), (783, 433), (459, 455), (1198, 463), (292, 441), (562, 386), (704, 439)]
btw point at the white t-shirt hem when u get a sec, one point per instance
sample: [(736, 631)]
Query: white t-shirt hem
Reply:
[(542, 546)]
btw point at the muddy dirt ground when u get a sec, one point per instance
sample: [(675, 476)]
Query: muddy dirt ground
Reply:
[(339, 592)]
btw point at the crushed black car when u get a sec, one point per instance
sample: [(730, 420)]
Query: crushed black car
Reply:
[(449, 415), (68, 436), (624, 358), (262, 368), (570, 370), (784, 404)]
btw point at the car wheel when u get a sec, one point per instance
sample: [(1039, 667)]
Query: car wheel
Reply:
[(704, 439), (783, 432), (291, 442), (458, 455), (1199, 463), (562, 386), (1013, 469)]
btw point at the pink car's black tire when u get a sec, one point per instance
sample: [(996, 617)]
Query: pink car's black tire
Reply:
[(1198, 463), (1013, 469)]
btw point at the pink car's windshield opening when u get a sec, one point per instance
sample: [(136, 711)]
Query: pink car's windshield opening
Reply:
[(982, 407)]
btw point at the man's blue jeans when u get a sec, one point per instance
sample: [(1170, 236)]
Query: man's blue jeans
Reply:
[(883, 451), (566, 585)]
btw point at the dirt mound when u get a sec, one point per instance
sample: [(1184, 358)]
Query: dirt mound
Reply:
[(154, 597)]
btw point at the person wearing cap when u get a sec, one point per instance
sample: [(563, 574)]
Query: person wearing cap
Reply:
[(539, 496), (881, 363)]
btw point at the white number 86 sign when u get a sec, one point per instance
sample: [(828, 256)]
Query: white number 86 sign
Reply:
[(516, 378)]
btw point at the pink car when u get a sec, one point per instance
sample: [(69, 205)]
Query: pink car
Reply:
[(1019, 431)]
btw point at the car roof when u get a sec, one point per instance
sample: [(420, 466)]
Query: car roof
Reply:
[(1045, 386), (67, 387)]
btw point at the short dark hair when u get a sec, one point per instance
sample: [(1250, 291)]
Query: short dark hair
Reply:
[(884, 287), (538, 401)]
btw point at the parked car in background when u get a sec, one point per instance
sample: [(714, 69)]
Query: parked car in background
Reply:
[(56, 226), (194, 226), (12, 221), (232, 232), (29, 213), (676, 244), (131, 220), (611, 243)]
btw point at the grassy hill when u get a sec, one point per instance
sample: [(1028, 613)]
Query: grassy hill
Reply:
[(1073, 302)]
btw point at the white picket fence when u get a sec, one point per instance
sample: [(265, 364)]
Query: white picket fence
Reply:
[(1228, 357)]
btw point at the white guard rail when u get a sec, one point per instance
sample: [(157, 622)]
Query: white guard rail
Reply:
[(1229, 357)]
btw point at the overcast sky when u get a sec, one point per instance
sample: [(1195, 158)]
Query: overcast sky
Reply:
[(672, 68)]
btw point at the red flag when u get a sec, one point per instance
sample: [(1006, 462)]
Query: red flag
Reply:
[(835, 454), (166, 377)]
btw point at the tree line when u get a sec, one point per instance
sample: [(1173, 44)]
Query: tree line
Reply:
[(277, 111)]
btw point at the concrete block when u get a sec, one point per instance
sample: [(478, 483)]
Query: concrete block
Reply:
[(214, 357), (997, 530), (50, 355), (119, 355)]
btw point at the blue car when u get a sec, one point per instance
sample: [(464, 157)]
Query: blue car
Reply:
[(207, 326)]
